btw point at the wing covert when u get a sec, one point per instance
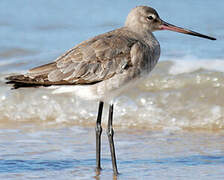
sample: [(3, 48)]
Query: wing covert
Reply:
[(94, 60)]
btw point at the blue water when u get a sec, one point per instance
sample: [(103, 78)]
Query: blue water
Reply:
[(49, 28), (68, 153), (39, 136)]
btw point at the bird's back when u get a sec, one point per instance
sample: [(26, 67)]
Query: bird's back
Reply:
[(95, 60)]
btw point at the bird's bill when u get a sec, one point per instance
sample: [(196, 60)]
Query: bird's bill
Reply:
[(167, 26)]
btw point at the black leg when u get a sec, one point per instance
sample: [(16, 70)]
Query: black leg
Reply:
[(98, 136), (110, 134)]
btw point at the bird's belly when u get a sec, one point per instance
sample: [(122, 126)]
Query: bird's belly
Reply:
[(105, 90)]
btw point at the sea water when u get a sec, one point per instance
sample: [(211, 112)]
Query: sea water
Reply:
[(170, 126)]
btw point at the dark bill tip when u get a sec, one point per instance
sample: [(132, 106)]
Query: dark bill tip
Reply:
[(167, 26)]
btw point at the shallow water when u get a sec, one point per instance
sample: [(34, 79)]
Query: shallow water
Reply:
[(69, 153), (170, 126)]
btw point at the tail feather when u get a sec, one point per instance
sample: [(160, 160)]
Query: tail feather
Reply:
[(22, 81), (17, 85), (44, 69), (36, 77)]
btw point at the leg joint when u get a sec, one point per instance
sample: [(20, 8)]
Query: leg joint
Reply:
[(98, 128), (110, 132)]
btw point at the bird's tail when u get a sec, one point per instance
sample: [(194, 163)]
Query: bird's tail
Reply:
[(34, 78), (22, 81)]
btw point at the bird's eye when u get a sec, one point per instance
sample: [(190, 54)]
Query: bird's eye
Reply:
[(150, 18)]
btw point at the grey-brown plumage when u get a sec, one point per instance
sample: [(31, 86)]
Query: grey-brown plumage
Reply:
[(108, 61), (93, 61), (128, 50)]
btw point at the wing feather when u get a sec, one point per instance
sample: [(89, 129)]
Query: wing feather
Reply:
[(92, 61)]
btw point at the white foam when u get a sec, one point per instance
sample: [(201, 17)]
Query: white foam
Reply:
[(187, 65)]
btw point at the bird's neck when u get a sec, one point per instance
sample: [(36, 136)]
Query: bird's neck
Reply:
[(144, 35), (150, 39)]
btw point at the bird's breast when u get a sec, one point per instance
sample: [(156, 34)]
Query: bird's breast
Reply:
[(150, 55)]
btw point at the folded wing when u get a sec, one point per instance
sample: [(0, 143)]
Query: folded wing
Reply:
[(90, 62)]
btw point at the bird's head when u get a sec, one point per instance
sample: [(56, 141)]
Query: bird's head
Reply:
[(146, 19)]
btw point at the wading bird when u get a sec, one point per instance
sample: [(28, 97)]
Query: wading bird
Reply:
[(103, 66)]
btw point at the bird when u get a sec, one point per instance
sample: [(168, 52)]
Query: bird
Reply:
[(102, 67)]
